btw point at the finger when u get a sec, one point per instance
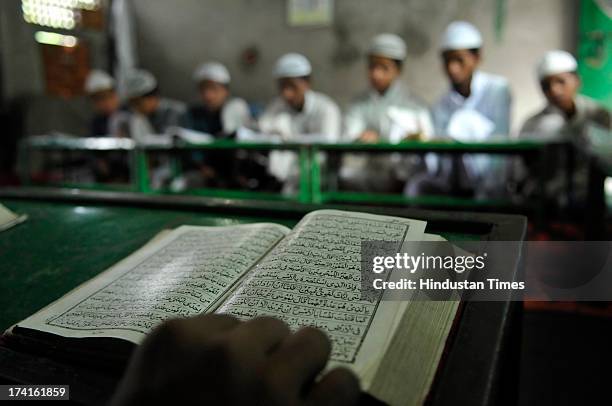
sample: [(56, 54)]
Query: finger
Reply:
[(206, 326), (338, 387), (263, 334), (298, 360), (193, 330), (169, 342)]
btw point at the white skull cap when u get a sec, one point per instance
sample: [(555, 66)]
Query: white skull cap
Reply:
[(555, 62), (292, 65), (388, 46), (461, 35), (213, 71), (98, 81), (139, 82)]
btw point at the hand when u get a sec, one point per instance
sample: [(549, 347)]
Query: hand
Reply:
[(207, 172), (218, 360), (414, 137), (102, 167), (369, 137)]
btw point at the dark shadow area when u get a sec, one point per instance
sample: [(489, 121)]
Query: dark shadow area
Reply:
[(566, 359)]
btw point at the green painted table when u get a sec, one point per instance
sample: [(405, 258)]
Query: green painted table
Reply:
[(72, 235)]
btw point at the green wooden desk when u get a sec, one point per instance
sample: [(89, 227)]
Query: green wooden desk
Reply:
[(63, 144), (594, 146), (599, 168), (531, 149), (72, 235), (302, 151), (311, 186), (139, 155)]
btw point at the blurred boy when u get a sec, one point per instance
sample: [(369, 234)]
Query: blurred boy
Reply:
[(475, 108), (386, 112), (477, 105), (148, 113), (219, 114), (100, 87), (216, 113), (566, 116), (567, 113), (299, 114)]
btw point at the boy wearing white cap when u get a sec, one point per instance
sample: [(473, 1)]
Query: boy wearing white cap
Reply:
[(217, 113), (100, 87), (475, 108), (567, 113), (148, 112), (478, 103), (566, 116), (299, 114), (386, 112)]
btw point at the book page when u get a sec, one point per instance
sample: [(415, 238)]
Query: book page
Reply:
[(184, 273), (370, 370), (313, 278), (9, 219)]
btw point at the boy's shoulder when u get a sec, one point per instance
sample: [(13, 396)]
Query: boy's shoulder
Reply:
[(495, 81)]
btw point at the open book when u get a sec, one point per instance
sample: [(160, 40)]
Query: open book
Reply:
[(310, 275)]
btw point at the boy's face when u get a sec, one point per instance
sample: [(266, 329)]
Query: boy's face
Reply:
[(146, 105), (293, 91), (105, 102), (382, 72), (560, 89), (460, 65), (213, 94)]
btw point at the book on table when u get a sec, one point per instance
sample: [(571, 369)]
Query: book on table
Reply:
[(308, 275)]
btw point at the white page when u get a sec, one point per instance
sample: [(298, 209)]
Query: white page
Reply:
[(8, 219), (186, 272), (370, 370), (313, 277), (6, 215)]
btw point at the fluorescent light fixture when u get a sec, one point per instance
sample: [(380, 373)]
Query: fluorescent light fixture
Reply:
[(56, 13), (53, 38)]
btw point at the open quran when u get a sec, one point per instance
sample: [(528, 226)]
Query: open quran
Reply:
[(308, 275)]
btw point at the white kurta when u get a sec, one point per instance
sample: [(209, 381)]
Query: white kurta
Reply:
[(394, 115), (170, 113), (482, 115), (489, 100), (235, 114), (552, 124), (318, 121)]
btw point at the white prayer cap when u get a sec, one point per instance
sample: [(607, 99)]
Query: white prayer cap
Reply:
[(139, 82), (98, 81), (388, 46), (461, 35), (292, 65), (213, 71), (555, 62)]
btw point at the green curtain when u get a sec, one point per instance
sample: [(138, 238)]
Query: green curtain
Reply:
[(595, 49)]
